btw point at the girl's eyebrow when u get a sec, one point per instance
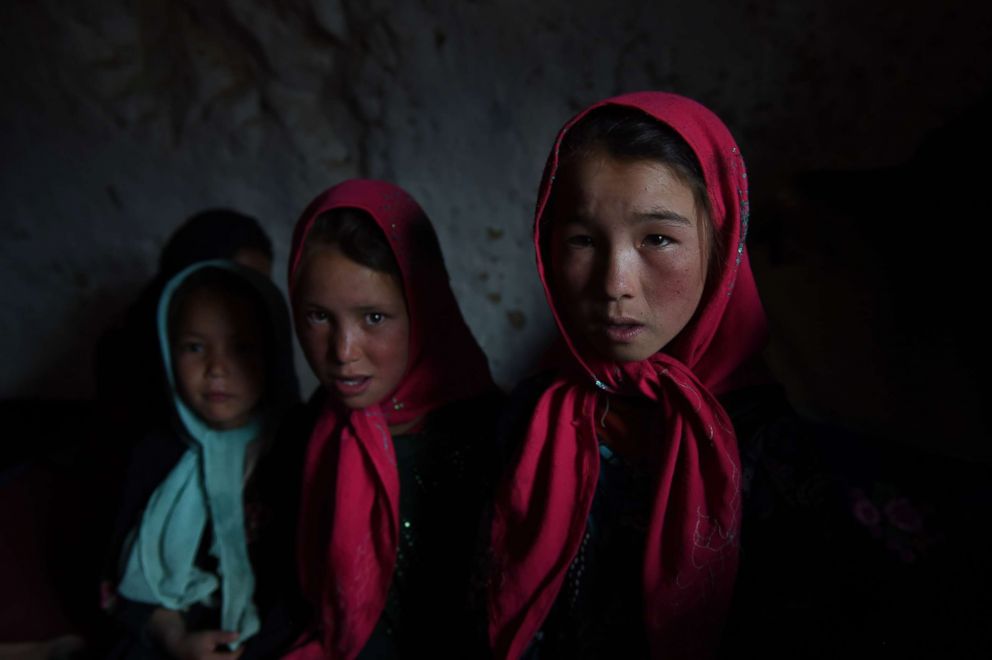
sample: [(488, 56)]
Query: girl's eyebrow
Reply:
[(380, 308), (663, 214), (364, 309), (654, 214)]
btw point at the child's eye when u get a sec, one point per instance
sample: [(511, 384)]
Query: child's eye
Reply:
[(375, 318), (579, 240), (316, 316), (191, 347), (656, 240)]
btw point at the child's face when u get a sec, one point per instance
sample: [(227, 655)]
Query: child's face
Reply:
[(353, 325), (218, 358), (628, 255)]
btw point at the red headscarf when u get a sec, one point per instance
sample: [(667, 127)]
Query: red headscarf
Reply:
[(690, 557), (349, 514)]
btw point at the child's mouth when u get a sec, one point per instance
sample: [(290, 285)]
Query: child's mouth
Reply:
[(348, 387), (623, 332)]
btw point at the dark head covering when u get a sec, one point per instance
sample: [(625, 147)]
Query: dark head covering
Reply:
[(212, 234)]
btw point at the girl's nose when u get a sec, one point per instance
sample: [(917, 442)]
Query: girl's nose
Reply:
[(344, 347), (616, 275), (217, 365)]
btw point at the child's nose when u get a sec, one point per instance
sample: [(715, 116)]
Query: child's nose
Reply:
[(344, 347), (218, 365), (616, 274)]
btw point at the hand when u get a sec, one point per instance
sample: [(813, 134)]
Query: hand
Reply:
[(203, 645), (169, 628)]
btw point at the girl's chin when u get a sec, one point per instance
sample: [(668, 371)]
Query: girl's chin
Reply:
[(354, 400), (626, 352), (226, 424)]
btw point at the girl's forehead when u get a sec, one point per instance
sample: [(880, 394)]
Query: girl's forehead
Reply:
[(330, 277), (596, 184), (204, 308)]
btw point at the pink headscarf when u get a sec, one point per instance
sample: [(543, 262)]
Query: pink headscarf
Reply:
[(349, 513), (690, 557)]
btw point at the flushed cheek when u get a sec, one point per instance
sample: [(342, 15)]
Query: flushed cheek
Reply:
[(389, 358), (675, 302), (314, 345)]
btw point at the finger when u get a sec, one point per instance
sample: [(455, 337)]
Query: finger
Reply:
[(223, 655), (218, 637)]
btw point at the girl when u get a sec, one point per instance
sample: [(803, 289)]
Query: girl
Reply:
[(187, 583), (615, 530), (395, 471), (128, 373)]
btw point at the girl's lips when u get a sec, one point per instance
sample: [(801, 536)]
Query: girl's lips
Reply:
[(623, 333), (348, 387), (218, 397)]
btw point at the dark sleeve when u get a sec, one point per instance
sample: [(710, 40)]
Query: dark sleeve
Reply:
[(277, 482), (788, 542), (133, 617), (512, 423), (508, 429), (474, 423), (151, 461)]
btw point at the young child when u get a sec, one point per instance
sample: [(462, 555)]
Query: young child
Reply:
[(128, 373), (397, 463), (187, 580), (615, 529)]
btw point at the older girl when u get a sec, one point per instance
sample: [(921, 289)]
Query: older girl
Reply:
[(615, 530)]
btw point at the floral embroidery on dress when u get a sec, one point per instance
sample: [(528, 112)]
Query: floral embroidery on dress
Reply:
[(894, 520)]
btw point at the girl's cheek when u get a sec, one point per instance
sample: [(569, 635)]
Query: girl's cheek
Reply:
[(573, 275), (681, 264)]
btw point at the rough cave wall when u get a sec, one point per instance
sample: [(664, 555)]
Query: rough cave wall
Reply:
[(123, 117)]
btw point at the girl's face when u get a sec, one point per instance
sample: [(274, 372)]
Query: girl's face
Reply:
[(218, 358), (353, 325), (628, 255)]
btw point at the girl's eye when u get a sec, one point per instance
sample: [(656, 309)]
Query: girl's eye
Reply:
[(375, 318), (656, 240), (192, 347), (316, 316), (579, 240)]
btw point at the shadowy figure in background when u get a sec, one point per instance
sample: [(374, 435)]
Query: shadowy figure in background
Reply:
[(398, 461), (874, 542), (193, 575)]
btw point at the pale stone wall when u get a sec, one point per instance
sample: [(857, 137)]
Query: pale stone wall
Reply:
[(121, 118)]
